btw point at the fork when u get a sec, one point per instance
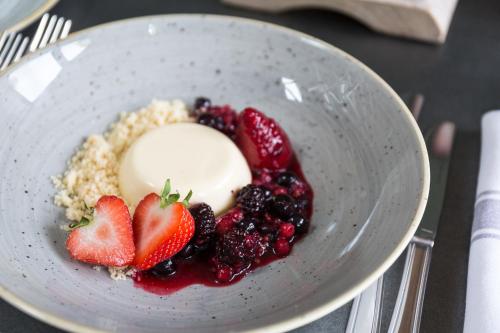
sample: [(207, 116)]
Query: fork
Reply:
[(13, 45)]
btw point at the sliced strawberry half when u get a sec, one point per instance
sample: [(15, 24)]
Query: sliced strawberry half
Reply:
[(162, 227), (262, 141), (104, 235)]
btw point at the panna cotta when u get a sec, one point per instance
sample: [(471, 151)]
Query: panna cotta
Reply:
[(193, 156)]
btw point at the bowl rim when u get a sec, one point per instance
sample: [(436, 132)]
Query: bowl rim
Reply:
[(312, 314)]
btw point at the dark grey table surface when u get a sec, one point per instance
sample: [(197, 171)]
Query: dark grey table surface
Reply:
[(460, 80)]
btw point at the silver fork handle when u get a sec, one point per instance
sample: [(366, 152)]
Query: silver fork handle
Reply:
[(408, 307)]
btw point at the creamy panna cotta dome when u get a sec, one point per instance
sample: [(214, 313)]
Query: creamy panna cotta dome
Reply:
[(194, 157)]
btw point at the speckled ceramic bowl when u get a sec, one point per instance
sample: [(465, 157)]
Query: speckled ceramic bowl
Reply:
[(356, 140)]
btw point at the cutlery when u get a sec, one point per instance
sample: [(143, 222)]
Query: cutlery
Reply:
[(13, 45)]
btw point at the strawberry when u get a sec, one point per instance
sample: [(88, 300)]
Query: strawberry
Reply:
[(104, 235), (262, 141), (162, 227)]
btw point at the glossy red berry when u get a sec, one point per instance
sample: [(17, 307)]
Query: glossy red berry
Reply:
[(224, 273), (281, 247), (287, 230)]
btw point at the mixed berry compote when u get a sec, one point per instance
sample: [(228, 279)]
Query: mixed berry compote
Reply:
[(268, 217)]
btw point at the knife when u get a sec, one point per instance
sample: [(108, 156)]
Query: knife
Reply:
[(408, 308)]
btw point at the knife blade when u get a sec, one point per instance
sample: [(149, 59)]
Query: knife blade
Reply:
[(439, 148), (408, 309)]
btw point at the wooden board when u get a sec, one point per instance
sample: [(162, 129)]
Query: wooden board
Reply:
[(425, 20)]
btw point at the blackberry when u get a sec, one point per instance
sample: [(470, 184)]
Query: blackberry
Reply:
[(283, 206), (204, 220), (164, 268), (286, 178), (238, 247), (202, 104), (248, 224), (268, 194), (252, 199), (211, 120), (299, 222)]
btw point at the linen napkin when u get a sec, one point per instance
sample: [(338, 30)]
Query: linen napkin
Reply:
[(482, 311)]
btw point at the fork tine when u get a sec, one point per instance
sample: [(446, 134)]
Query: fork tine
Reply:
[(65, 30), (20, 50), (11, 53), (10, 39), (57, 30), (50, 28), (47, 32), (3, 38), (39, 31)]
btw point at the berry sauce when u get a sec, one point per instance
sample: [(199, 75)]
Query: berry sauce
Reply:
[(196, 270), (199, 269)]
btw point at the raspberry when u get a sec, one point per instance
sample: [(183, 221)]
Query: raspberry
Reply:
[(252, 199)]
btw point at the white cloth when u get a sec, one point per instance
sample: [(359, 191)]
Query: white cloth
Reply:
[(482, 311)]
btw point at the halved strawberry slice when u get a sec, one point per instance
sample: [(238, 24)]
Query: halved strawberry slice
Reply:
[(162, 227), (104, 236), (262, 141)]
